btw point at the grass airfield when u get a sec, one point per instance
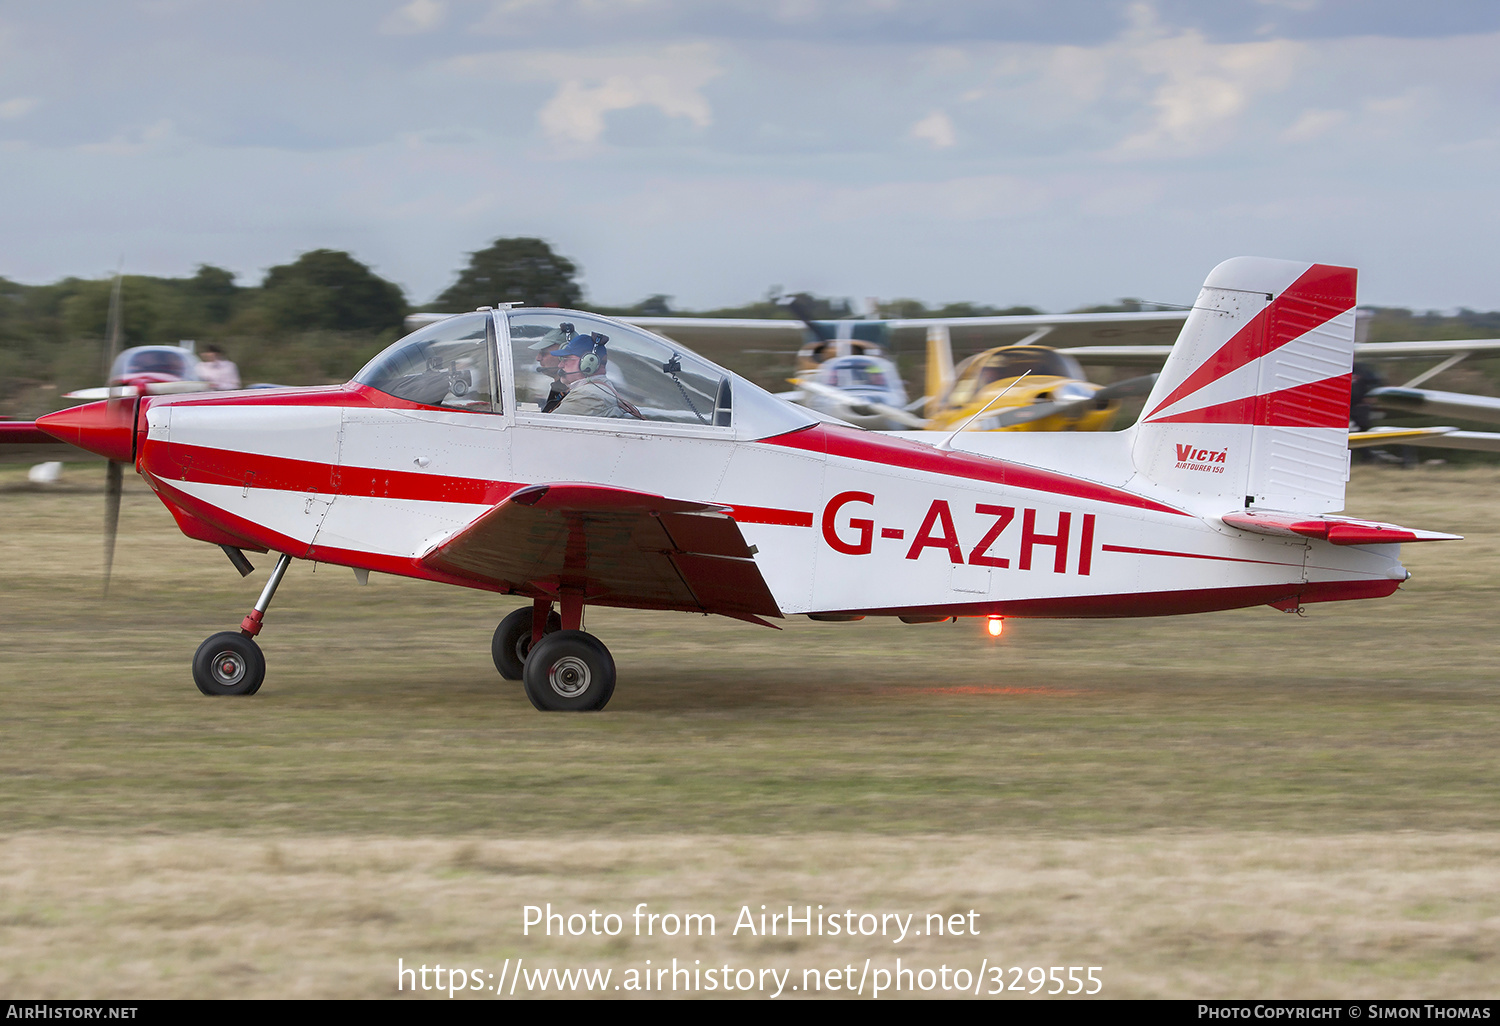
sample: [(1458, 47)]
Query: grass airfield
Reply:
[(1235, 804)]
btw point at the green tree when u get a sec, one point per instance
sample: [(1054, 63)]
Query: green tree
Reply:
[(331, 290), (214, 291), (513, 271)]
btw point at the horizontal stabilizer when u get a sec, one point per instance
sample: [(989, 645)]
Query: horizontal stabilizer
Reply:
[(1337, 530)]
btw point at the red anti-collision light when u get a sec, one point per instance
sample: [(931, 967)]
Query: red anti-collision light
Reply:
[(106, 427)]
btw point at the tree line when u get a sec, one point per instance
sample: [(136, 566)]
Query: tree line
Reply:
[(322, 316)]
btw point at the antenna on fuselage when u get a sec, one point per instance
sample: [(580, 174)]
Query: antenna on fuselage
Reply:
[(947, 443)]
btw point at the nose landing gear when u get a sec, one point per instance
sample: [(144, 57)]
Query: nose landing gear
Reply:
[(230, 662)]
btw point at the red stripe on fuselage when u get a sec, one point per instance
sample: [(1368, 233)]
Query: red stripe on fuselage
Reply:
[(404, 566), (1150, 603), (1191, 555), (869, 447), (768, 515), (176, 461)]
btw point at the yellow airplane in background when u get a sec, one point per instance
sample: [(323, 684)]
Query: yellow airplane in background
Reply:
[(1018, 388)]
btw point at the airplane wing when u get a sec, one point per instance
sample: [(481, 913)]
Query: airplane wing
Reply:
[(21, 441), (1155, 356), (1427, 438), (1436, 404), (620, 547), (1058, 330)]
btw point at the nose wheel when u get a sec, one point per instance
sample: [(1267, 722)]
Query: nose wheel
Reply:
[(230, 662), (569, 671)]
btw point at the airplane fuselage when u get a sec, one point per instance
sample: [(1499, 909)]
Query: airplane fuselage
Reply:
[(841, 520)]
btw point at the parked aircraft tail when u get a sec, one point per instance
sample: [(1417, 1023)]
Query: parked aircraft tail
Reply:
[(1252, 406), (939, 367)]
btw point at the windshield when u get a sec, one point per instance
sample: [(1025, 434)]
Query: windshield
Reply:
[(449, 363), (562, 367), (1017, 360), (168, 361)]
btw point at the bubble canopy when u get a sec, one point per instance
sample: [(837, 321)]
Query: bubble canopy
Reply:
[(638, 377)]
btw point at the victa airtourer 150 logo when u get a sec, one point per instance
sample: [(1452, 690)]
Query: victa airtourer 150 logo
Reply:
[(1190, 457)]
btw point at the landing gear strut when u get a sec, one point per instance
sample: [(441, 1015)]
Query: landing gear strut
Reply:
[(565, 670), (230, 662)]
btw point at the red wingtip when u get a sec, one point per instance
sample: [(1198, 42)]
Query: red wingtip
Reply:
[(106, 427)]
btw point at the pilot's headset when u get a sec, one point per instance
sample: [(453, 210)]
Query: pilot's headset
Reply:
[(590, 359)]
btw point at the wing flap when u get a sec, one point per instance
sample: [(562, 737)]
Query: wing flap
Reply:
[(1336, 530), (733, 587), (620, 547)]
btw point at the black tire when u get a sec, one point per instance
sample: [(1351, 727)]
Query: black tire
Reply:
[(512, 641), (229, 663), (569, 671)]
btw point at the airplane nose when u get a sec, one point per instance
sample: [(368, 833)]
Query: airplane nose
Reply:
[(107, 427)]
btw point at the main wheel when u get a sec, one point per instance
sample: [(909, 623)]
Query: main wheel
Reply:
[(569, 671), (229, 663), (512, 641)]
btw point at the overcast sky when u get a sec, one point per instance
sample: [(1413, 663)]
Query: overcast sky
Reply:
[(1047, 152)]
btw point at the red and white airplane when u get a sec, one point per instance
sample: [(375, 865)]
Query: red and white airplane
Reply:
[(438, 462)]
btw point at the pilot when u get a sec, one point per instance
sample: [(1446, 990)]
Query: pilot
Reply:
[(580, 369)]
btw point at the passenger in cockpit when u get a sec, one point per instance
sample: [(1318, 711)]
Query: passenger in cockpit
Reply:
[(547, 360), (581, 369)]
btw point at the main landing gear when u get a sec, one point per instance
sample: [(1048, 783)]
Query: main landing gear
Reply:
[(230, 662), (563, 668)]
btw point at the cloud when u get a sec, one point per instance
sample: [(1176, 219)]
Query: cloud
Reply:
[(415, 18), (1202, 87), (1312, 124), (589, 86), (937, 129), (17, 108)]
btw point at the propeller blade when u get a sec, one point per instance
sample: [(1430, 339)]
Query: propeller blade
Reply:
[(114, 486), (112, 329)]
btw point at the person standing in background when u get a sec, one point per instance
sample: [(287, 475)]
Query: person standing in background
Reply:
[(218, 371)]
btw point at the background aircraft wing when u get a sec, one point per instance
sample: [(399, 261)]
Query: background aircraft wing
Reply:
[(1436, 404), (1156, 355), (1426, 438), (1059, 330), (21, 441), (620, 547)]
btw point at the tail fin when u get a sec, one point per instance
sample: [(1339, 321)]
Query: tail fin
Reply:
[(1252, 406), (939, 367)]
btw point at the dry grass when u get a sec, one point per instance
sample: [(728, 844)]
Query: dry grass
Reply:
[(1166, 915), (1244, 803)]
